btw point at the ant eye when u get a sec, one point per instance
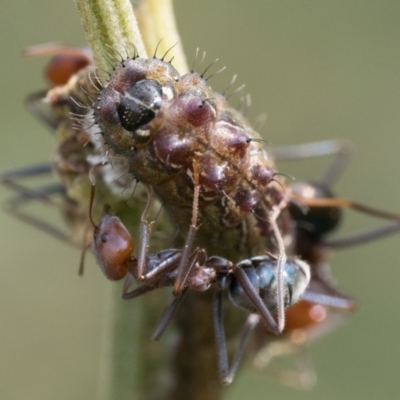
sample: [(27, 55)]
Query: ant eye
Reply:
[(104, 237), (139, 103)]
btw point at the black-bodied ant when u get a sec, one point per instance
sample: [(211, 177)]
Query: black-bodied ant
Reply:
[(316, 213), (251, 283)]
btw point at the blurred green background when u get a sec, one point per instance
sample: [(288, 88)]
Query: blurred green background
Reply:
[(319, 70)]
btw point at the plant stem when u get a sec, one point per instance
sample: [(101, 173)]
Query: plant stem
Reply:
[(157, 23), (183, 364), (111, 28)]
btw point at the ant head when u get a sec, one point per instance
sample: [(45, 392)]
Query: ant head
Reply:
[(317, 221), (112, 246)]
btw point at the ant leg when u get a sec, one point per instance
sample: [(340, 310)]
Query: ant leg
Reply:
[(185, 267), (339, 301), (168, 315), (43, 194), (138, 292), (324, 290), (166, 265), (198, 256), (9, 179), (346, 203), (144, 233), (302, 376), (341, 149), (256, 300), (82, 261), (55, 49), (280, 266), (37, 107), (128, 281), (227, 373), (219, 332), (363, 237), (126, 295)]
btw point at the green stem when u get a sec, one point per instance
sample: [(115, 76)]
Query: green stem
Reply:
[(111, 28), (156, 21), (183, 365)]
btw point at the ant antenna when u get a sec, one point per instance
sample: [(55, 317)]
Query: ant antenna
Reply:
[(96, 228), (280, 184), (346, 203), (292, 178), (93, 190), (82, 261), (258, 216)]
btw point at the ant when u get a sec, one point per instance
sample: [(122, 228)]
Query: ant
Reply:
[(69, 74), (251, 283), (307, 308), (326, 308)]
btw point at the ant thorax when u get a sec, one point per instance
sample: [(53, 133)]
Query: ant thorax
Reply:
[(164, 124)]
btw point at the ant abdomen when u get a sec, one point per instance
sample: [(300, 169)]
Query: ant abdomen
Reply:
[(112, 246), (261, 272), (63, 66)]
